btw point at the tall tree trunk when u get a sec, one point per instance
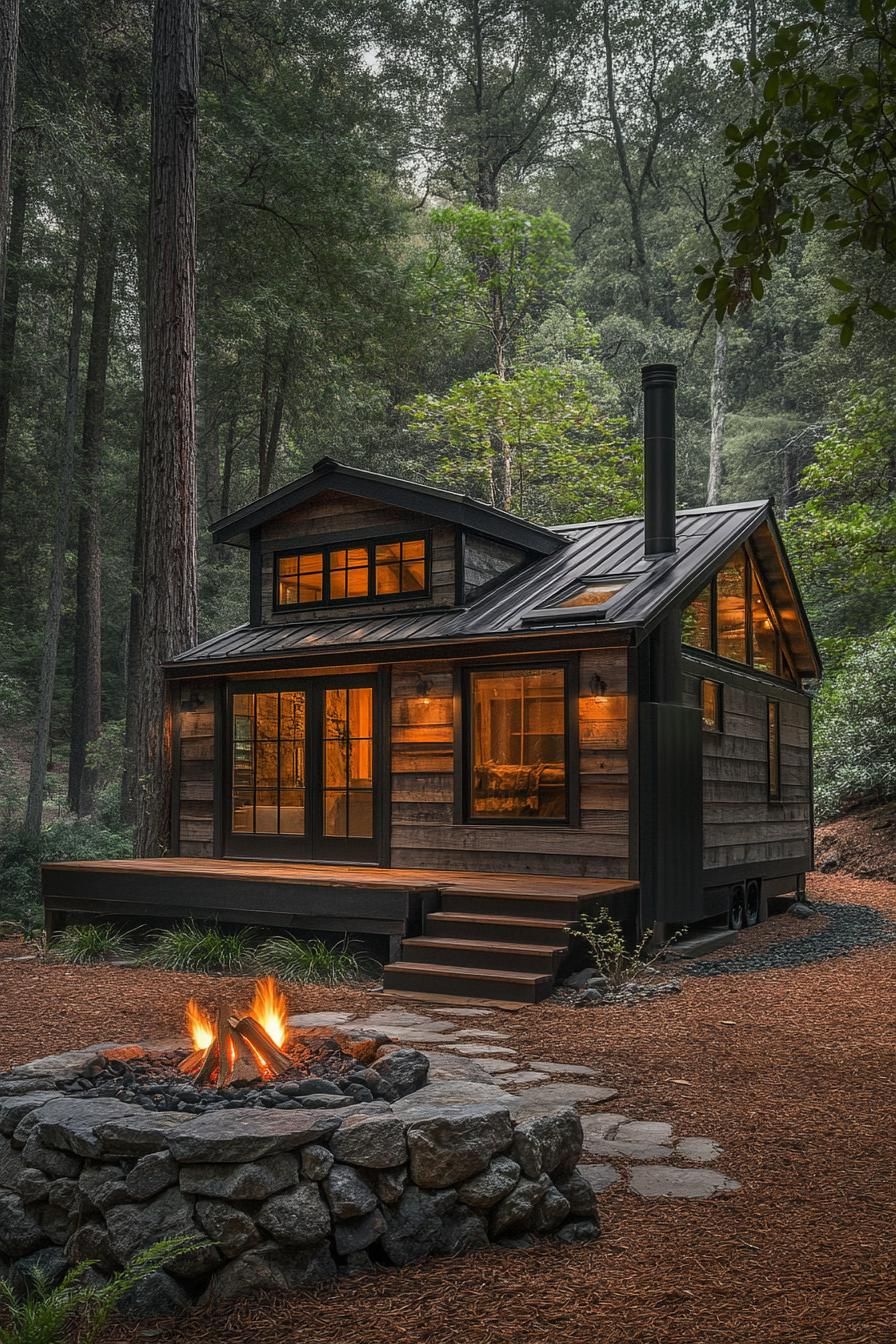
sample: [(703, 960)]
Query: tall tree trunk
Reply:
[(87, 672), (65, 469), (272, 416), (633, 189), (12, 271), (227, 466), (717, 398), (168, 621)]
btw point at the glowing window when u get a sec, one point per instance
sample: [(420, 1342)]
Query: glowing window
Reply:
[(349, 574), (300, 579), (765, 636), (400, 567), (731, 608), (696, 621), (268, 765), (593, 595), (518, 744), (711, 705)]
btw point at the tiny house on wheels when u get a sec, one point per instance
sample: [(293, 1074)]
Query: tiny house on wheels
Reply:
[(458, 729)]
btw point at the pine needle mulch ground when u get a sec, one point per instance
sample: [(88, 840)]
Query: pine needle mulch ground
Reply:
[(793, 1072)]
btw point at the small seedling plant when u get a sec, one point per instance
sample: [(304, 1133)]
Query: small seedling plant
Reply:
[(619, 964)]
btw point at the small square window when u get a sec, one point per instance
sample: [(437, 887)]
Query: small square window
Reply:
[(349, 574), (300, 579), (400, 567), (711, 705)]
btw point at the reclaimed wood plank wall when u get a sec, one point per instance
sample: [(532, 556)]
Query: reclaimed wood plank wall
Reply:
[(333, 512), (424, 833)]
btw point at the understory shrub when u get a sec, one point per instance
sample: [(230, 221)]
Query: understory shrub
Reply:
[(83, 944), (610, 953), (316, 962), (191, 947), (21, 856), (855, 727)]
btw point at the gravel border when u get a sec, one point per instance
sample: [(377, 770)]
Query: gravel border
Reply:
[(849, 928)]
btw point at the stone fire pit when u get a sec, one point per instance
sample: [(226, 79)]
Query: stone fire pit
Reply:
[(282, 1185)]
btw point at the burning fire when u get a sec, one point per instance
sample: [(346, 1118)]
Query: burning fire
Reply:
[(239, 1046)]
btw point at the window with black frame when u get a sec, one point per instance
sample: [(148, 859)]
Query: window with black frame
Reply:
[(518, 745), (362, 572)]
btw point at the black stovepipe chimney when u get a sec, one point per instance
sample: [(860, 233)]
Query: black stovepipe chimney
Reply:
[(659, 382)]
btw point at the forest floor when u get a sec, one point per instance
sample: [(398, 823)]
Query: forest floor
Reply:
[(791, 1070)]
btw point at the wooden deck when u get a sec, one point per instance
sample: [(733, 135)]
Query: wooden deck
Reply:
[(474, 934)]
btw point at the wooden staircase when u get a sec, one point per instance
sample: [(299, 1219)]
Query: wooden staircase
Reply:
[(502, 940)]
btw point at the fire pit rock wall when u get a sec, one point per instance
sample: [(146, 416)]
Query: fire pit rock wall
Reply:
[(274, 1199)]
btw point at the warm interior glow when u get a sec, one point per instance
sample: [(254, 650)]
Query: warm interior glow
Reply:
[(269, 1008), (199, 1026)]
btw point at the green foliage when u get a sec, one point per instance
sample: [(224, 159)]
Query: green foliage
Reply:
[(842, 536), (855, 726), (315, 962), (84, 944), (609, 952), (209, 949), (21, 856), (818, 153), (75, 1309)]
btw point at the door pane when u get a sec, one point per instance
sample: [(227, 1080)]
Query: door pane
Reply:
[(268, 768), (335, 809), (360, 814)]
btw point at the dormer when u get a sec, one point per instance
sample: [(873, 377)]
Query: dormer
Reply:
[(342, 543)]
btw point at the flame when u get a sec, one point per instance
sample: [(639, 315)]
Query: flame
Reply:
[(269, 1008), (199, 1026)]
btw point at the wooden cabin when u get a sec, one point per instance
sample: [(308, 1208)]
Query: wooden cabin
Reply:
[(458, 729)]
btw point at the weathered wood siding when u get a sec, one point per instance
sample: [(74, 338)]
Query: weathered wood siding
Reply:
[(740, 825), (424, 833), (332, 513), (194, 769)]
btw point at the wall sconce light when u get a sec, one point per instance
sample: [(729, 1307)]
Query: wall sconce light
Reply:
[(424, 686), (597, 685), (195, 700)]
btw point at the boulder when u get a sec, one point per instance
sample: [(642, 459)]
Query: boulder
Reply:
[(316, 1161), (48, 1265), (73, 1124), (448, 1147), (800, 910), (390, 1184), (12, 1109), (64, 1194), (91, 1242), (248, 1180), (145, 1132), (515, 1210), (356, 1234), (230, 1229), (550, 1142), (33, 1186), (550, 1212), (104, 1186), (40, 1075), (490, 1186), (579, 1194), (404, 1070), (150, 1175), (56, 1224), (159, 1294), (362, 1043), (50, 1161), (463, 1230), (20, 1234), (246, 1134), (11, 1165), (414, 1227), (267, 1268), (132, 1227), (580, 1229), (348, 1194), (298, 1217), (377, 1141)]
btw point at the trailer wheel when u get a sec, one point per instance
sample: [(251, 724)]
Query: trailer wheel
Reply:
[(752, 903), (737, 908)]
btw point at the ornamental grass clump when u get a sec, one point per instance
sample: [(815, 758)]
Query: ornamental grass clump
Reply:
[(316, 962), (86, 944), (189, 947)]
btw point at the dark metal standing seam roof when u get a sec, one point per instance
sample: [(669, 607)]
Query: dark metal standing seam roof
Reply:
[(603, 550)]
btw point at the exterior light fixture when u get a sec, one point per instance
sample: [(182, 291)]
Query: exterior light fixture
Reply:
[(424, 686), (597, 685)]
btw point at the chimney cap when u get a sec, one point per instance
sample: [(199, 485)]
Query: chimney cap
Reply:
[(655, 375)]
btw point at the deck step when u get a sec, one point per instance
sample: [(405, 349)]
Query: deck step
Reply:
[(501, 956), (473, 981), (497, 928), (536, 905)]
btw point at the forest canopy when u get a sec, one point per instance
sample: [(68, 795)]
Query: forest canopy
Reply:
[(439, 240)]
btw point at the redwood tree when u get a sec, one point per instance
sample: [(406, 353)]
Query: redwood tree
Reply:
[(9, 48), (168, 619)]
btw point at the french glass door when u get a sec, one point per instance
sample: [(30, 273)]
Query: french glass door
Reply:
[(302, 770)]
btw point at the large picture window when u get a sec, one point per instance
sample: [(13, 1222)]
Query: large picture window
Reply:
[(518, 745), (366, 571), (733, 618), (268, 779)]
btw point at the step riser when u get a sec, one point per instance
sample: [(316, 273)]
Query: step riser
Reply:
[(481, 928), (465, 985), (539, 963), (468, 904)]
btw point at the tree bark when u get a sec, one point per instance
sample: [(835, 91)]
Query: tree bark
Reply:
[(633, 190), (12, 273), (717, 398), (87, 671), (64, 476), (272, 416), (168, 622), (227, 465)]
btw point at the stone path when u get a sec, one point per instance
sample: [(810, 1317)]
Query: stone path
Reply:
[(467, 1066)]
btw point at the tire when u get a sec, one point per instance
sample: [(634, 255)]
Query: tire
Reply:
[(737, 908), (752, 903)]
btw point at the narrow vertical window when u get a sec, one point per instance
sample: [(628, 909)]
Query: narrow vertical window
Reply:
[(774, 751), (764, 634), (711, 704), (518, 744), (349, 574), (731, 608), (696, 621)]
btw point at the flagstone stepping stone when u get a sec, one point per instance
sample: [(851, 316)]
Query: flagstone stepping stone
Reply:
[(599, 1175), (547, 1097), (482, 1035), (525, 1076), (647, 1131), (397, 1017), (579, 1070), (424, 1035), (469, 1048), (501, 1066), (443, 1068), (320, 1019), (698, 1150), (452, 1092), (602, 1125), (464, 1012), (633, 1150), (679, 1182)]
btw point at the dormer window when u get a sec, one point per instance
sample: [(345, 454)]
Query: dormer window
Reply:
[(366, 571)]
